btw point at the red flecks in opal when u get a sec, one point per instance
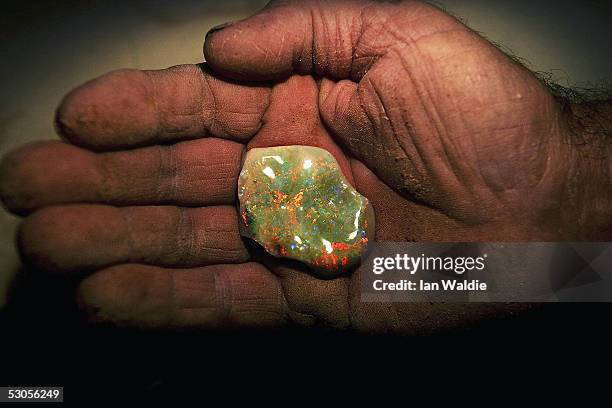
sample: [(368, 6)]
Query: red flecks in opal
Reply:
[(295, 202)]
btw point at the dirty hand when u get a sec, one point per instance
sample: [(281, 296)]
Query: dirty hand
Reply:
[(449, 138)]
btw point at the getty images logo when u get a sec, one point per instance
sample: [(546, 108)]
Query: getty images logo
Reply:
[(412, 264)]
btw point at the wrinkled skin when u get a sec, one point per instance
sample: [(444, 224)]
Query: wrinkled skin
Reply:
[(448, 138)]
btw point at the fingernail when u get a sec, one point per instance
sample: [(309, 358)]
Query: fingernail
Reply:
[(219, 27)]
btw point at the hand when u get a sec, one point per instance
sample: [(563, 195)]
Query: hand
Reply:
[(448, 138)]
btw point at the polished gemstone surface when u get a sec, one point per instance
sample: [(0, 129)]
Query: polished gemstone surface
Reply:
[(296, 203)]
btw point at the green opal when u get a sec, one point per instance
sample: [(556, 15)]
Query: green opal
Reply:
[(296, 203)]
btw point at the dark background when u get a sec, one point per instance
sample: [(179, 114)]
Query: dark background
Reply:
[(48, 47)]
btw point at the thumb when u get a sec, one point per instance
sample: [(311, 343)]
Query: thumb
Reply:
[(286, 37)]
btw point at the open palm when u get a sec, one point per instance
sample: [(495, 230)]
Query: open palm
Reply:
[(447, 137)]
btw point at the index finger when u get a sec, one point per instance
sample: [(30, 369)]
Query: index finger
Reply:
[(129, 108)]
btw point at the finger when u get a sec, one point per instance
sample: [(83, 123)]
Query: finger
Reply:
[(194, 173), (293, 119), (288, 37), (217, 296), (134, 108), (81, 238), (336, 39)]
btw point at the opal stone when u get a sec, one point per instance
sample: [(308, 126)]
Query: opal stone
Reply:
[(296, 203)]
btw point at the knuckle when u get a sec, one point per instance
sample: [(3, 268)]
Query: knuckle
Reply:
[(251, 296), (182, 245), (217, 238), (206, 171), (168, 172), (174, 112), (203, 236), (232, 110)]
